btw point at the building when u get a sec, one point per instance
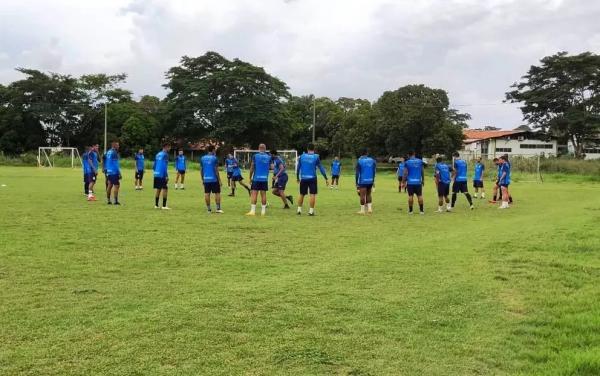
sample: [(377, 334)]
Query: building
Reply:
[(518, 142)]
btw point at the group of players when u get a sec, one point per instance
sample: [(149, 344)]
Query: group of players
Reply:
[(411, 177)]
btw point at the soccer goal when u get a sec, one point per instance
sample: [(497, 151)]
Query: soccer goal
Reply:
[(244, 158), (49, 156)]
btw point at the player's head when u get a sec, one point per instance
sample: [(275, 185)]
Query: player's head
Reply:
[(337, 158), (402, 159), (180, 152), (411, 154), (495, 160), (229, 156), (501, 159), (439, 159), (505, 157), (141, 151), (262, 148), (478, 159), (166, 146), (364, 152), (310, 147), (273, 152), (455, 154), (210, 149), (115, 144), (95, 147)]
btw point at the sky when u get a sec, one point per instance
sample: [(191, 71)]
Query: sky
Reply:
[(473, 49)]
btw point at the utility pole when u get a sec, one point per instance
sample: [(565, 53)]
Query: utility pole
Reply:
[(314, 127), (105, 124)]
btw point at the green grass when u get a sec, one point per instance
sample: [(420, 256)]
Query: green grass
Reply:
[(90, 289)]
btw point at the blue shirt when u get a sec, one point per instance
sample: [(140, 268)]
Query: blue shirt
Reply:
[(365, 170), (505, 168), (460, 165), (262, 164), (229, 162), (336, 167), (112, 163), (208, 164), (93, 158), (400, 171), (278, 163), (180, 163), (161, 164), (307, 167), (479, 167), (86, 163), (442, 171), (139, 161), (414, 166)]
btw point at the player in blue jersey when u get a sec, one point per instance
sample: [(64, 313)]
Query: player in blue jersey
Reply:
[(459, 175), (113, 173), (209, 171), (181, 168), (365, 180), (504, 181), (306, 175), (86, 171), (236, 177), (139, 169), (280, 179), (336, 170), (442, 182), (229, 162), (400, 173), (413, 180), (259, 177), (161, 176), (93, 163), (478, 178)]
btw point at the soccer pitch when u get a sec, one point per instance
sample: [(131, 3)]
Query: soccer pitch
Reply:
[(87, 288)]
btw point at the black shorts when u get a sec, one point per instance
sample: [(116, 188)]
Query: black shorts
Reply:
[(113, 179), (230, 175), (181, 172), (443, 189), (308, 187), (367, 186), (259, 186), (460, 187), (237, 178), (477, 183), (89, 178), (334, 177), (281, 182), (400, 179), (139, 174), (212, 187), (160, 183), (414, 189), (504, 185)]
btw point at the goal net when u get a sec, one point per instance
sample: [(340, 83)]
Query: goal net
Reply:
[(244, 158), (58, 155)]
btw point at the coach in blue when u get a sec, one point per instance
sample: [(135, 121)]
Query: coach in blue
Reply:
[(306, 174)]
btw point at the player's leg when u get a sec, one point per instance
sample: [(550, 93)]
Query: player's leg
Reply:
[(165, 192), (156, 197), (207, 200), (505, 197), (92, 186), (263, 201), (182, 180), (109, 187), (218, 201), (410, 199), (369, 199), (455, 189), (465, 190), (253, 199), (312, 199), (243, 185), (116, 188), (362, 198)]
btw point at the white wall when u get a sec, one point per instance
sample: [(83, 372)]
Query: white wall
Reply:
[(515, 145)]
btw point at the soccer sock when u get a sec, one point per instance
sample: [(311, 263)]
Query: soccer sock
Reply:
[(208, 207), (475, 195), (468, 196), (253, 208), (362, 208), (311, 210), (510, 199), (410, 208), (448, 206), (494, 198), (289, 198), (218, 206), (453, 199), (164, 202), (232, 191), (155, 201), (369, 206), (299, 209), (421, 207), (263, 209)]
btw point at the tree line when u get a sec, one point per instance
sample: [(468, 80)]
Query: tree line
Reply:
[(211, 99)]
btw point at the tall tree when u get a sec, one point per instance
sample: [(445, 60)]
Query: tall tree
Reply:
[(419, 118), (562, 95), (232, 101)]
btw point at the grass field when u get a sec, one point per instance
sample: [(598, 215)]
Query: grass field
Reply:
[(87, 288)]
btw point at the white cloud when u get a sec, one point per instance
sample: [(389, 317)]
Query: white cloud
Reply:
[(474, 49)]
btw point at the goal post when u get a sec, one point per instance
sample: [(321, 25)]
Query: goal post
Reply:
[(48, 155), (244, 158)]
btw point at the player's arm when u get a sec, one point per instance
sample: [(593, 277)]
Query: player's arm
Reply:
[(374, 172), (356, 174), (251, 173), (436, 177), (216, 169), (404, 176), (323, 172), (91, 163), (422, 175), (298, 169)]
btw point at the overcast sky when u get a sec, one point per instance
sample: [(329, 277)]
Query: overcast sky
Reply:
[(474, 49)]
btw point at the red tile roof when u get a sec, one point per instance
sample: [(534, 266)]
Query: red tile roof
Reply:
[(472, 135)]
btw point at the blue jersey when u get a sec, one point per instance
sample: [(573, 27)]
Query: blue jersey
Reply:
[(336, 168), (460, 165), (400, 171), (442, 171), (505, 169), (87, 169), (262, 164), (209, 164), (229, 164), (414, 166), (112, 163), (139, 161), (161, 164), (365, 170), (499, 172), (307, 167), (279, 164), (479, 167), (93, 160), (180, 163)]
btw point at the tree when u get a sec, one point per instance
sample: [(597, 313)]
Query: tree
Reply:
[(419, 118), (232, 101), (562, 95)]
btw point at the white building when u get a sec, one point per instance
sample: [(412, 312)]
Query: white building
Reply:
[(590, 150), (491, 144)]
